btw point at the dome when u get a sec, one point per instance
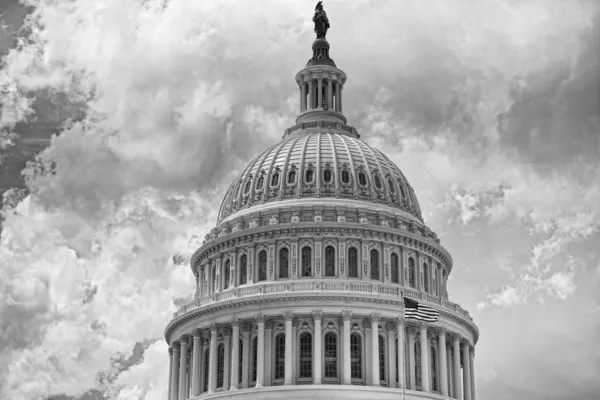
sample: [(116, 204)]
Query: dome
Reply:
[(320, 164)]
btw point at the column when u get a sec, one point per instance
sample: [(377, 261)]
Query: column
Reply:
[(329, 94), (269, 324), (337, 96), (288, 316), (346, 372), (320, 93), (340, 96), (196, 363), (457, 384), (205, 344), (183, 367), (443, 362), (313, 94), (302, 96), (235, 354), (318, 359), (212, 363), (401, 362), (466, 370), (472, 369), (375, 349), (424, 358), (391, 370), (170, 373), (175, 367), (449, 362), (412, 331), (227, 349), (440, 286), (260, 352), (246, 327)]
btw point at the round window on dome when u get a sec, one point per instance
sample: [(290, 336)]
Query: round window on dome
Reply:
[(259, 185), (391, 185), (362, 179), (275, 179), (309, 175), (345, 177), (327, 175), (291, 177), (377, 182)]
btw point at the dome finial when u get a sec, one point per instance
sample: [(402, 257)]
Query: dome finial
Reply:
[(321, 21), (320, 46)]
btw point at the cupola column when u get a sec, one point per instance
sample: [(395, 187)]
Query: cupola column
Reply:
[(196, 363), (466, 370), (329, 94), (443, 362), (337, 96), (302, 96), (175, 367), (317, 316), (375, 349), (340, 95), (346, 374), (424, 358), (288, 316), (246, 327), (401, 355), (260, 353), (212, 363), (170, 373), (226, 364), (320, 93), (472, 368), (235, 353), (411, 358), (183, 367), (457, 384)]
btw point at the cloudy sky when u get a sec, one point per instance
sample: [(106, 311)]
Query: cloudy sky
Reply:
[(122, 122)]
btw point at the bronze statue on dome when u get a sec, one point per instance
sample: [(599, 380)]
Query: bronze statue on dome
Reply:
[(321, 21)]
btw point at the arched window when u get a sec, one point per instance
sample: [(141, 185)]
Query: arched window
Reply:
[(214, 278), (352, 262), (309, 175), (402, 192), (382, 359), (241, 361), (355, 356), (291, 177), (206, 366), (391, 185), (243, 269), (227, 276), (262, 265), (362, 179), (254, 359), (433, 367), (330, 355), (374, 264), (261, 181), (396, 356), (329, 261), (220, 365), (284, 263), (305, 355), (377, 181), (411, 272), (345, 177), (395, 277), (280, 357), (418, 364), (248, 184), (426, 277), (306, 261), (275, 179), (327, 175)]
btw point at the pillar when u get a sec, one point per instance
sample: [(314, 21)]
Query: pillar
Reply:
[(320, 93), (412, 331), (288, 316), (424, 358), (375, 349), (329, 94), (170, 373), (246, 327), (196, 363), (268, 365), (260, 352), (401, 362), (205, 343), (175, 367), (440, 285), (340, 96), (450, 361), (337, 96), (391, 370), (457, 384), (466, 370), (228, 361), (235, 354), (183, 367), (318, 359), (212, 363), (472, 369), (443, 362), (303, 96), (346, 372)]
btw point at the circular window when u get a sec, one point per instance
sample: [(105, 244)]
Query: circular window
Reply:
[(362, 179), (327, 175), (377, 182), (291, 177), (345, 177)]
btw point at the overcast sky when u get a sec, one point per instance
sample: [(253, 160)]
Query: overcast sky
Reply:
[(143, 111)]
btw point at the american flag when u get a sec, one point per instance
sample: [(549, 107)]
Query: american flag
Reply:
[(414, 310)]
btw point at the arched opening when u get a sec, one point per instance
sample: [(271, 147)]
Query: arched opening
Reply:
[(205, 370), (284, 263), (227, 276), (241, 362), (291, 177), (411, 272), (433, 367), (352, 262), (356, 356), (306, 261), (305, 370), (279, 357), (243, 269), (395, 275), (275, 179), (329, 261), (426, 277), (418, 364), (262, 266), (220, 365), (382, 371), (374, 264), (330, 355), (254, 360)]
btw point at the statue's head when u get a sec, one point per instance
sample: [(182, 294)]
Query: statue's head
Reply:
[(319, 6)]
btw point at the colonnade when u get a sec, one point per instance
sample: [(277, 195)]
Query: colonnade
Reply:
[(346, 349), (321, 93)]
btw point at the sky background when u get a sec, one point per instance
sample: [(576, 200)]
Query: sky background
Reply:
[(122, 123)]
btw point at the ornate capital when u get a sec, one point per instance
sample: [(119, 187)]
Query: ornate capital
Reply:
[(295, 321), (442, 332), (170, 352), (422, 325), (390, 325), (213, 328), (184, 339), (269, 324), (346, 315), (375, 317), (235, 322), (412, 330), (288, 316), (227, 331), (455, 337), (246, 326), (465, 342), (176, 345), (197, 333), (317, 315), (400, 321), (260, 319), (366, 323)]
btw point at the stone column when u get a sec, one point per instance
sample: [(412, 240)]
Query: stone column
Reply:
[(212, 363), (457, 384), (175, 367), (260, 352), (288, 316), (346, 371), (268, 373), (466, 370), (246, 328), (302, 96), (313, 94), (401, 362), (449, 363), (329, 94), (424, 358), (375, 349), (337, 96), (183, 367), (318, 359), (391, 370), (196, 363), (227, 363), (443, 362), (170, 373), (320, 93), (205, 345), (472, 369), (341, 89), (412, 331), (235, 354)]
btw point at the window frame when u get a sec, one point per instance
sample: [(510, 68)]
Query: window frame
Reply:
[(310, 262), (330, 261), (336, 379), (243, 269), (360, 335), (280, 262), (304, 379), (260, 265), (394, 265), (378, 278), (279, 335), (357, 267)]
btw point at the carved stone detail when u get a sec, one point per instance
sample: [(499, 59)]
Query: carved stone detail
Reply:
[(317, 315), (346, 315)]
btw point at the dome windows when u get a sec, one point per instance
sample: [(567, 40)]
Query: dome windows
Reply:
[(291, 177), (275, 179), (377, 181), (327, 176), (309, 175), (362, 179), (260, 183), (391, 185), (248, 185)]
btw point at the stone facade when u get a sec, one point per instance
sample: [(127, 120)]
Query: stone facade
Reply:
[(300, 287)]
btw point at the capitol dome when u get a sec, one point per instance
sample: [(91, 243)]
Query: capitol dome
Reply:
[(320, 279)]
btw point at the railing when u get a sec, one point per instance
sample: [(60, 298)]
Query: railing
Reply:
[(324, 124), (377, 289)]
